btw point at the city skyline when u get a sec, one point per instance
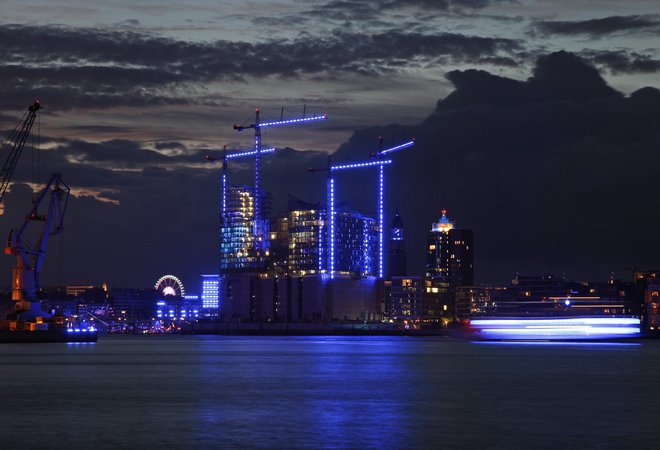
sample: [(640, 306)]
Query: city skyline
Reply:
[(545, 160)]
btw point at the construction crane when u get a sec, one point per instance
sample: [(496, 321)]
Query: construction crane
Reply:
[(29, 259), (14, 146), (225, 167), (261, 243), (381, 153), (379, 162)]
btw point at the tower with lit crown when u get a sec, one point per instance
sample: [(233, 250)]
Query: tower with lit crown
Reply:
[(449, 255)]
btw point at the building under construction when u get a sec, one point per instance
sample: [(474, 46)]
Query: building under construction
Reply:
[(313, 262)]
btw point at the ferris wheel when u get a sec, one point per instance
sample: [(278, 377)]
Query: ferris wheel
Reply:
[(170, 285)]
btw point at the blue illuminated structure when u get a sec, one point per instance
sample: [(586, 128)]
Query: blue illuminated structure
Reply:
[(223, 178), (556, 328), (332, 216), (380, 163), (381, 200), (260, 232), (210, 291), (228, 226)]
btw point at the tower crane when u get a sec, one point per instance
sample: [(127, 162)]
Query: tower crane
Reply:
[(30, 258), (14, 146), (225, 166), (260, 232), (379, 161)]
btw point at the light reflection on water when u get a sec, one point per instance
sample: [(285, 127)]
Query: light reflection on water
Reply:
[(562, 343), (329, 392)]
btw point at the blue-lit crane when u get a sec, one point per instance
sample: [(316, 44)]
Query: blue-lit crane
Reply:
[(14, 146), (225, 166), (261, 242), (381, 153), (379, 162)]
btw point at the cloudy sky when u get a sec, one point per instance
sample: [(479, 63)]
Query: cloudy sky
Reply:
[(537, 122)]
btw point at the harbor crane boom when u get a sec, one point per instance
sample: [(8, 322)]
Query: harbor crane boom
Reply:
[(14, 147), (30, 258)]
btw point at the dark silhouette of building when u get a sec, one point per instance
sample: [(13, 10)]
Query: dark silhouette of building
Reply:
[(397, 256)]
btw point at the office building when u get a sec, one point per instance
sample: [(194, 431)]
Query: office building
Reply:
[(450, 253), (237, 245)]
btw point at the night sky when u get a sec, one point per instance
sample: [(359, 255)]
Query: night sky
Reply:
[(537, 125)]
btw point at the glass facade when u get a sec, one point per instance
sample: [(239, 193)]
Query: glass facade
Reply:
[(305, 232), (238, 248)]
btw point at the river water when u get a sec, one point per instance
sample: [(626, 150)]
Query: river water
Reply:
[(191, 392)]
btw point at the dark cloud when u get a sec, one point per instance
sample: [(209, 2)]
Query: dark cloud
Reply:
[(622, 61), (101, 68), (373, 9), (601, 27), (554, 174), (102, 129), (169, 146)]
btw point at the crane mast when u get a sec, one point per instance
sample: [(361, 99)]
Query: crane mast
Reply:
[(29, 258), (15, 145), (260, 222)]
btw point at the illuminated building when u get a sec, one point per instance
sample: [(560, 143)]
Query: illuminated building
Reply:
[(405, 299), (171, 308), (648, 288), (356, 244), (398, 258), (547, 296), (304, 230), (237, 239), (210, 291), (478, 301), (437, 301), (450, 253)]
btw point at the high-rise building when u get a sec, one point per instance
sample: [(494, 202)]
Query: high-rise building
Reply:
[(237, 245), (397, 256), (449, 255), (306, 233)]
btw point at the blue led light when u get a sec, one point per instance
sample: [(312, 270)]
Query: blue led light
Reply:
[(293, 121), (250, 153), (358, 165), (381, 222), (331, 221), (398, 147)]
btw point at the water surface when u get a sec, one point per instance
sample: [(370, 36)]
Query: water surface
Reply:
[(328, 392)]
